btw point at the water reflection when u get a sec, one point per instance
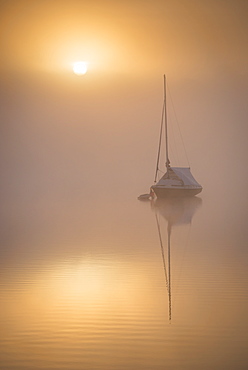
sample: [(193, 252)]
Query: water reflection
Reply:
[(83, 286), (176, 211)]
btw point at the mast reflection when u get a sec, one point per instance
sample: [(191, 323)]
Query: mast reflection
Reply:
[(176, 211)]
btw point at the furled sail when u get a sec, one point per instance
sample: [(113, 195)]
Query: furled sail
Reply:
[(178, 176)]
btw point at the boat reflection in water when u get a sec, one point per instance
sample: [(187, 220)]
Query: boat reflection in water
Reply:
[(176, 211)]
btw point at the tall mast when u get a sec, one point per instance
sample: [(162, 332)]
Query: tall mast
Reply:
[(167, 163)]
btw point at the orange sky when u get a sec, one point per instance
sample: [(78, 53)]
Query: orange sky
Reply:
[(125, 37)]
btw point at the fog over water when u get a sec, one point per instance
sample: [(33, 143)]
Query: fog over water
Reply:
[(84, 277), (69, 134)]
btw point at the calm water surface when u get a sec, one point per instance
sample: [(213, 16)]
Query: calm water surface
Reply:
[(114, 283)]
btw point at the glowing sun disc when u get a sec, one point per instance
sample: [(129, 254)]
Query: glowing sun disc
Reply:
[(80, 68)]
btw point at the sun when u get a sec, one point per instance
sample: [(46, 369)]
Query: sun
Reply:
[(80, 68)]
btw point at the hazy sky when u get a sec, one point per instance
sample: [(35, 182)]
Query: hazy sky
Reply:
[(60, 128), (180, 36)]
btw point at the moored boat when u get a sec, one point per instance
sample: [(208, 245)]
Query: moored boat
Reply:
[(177, 181)]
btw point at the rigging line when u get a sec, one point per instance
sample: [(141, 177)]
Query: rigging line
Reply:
[(162, 251), (159, 146), (181, 136), (161, 171)]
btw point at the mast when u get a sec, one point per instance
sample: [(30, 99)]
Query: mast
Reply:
[(163, 123), (167, 163), (159, 145)]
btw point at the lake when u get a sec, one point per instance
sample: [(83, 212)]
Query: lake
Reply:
[(110, 282)]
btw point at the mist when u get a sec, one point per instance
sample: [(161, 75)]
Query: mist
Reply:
[(80, 255), (81, 133)]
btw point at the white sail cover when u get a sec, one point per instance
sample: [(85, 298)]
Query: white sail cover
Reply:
[(183, 174)]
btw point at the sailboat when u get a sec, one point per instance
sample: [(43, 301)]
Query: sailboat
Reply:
[(177, 181)]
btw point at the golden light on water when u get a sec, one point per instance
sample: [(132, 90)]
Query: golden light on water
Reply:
[(80, 68)]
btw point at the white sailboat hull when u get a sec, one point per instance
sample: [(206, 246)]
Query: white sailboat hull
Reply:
[(177, 182), (170, 192)]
